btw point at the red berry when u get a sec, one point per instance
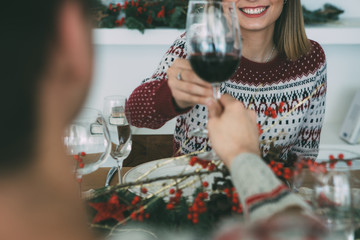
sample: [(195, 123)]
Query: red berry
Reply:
[(141, 218), (144, 190), (113, 199), (331, 157), (193, 161), (234, 208), (76, 157), (83, 154), (189, 216), (205, 184), (172, 191), (226, 190), (212, 167), (279, 165), (341, 156), (349, 163), (266, 113), (169, 206), (272, 162), (195, 220), (195, 215), (332, 165), (133, 216), (178, 195), (206, 195), (136, 199), (147, 215), (81, 165)]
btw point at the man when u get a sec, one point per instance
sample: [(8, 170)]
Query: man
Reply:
[(234, 136), (46, 62)]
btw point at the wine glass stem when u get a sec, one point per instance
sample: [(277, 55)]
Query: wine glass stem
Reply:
[(119, 163), (216, 90)]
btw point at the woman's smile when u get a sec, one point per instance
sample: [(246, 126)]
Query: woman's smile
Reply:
[(254, 12)]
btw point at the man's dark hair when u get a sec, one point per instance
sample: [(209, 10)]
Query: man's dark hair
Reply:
[(28, 30)]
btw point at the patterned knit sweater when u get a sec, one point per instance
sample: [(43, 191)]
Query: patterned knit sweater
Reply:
[(257, 85)]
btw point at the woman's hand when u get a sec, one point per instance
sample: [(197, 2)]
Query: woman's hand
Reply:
[(190, 89)]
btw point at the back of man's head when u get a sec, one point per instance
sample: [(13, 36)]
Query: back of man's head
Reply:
[(28, 31)]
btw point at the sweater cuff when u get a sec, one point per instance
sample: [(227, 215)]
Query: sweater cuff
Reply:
[(165, 104)]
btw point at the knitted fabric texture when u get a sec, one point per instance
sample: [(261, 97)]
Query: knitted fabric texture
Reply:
[(258, 86)]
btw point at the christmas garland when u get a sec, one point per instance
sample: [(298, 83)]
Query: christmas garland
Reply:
[(141, 14), (113, 208), (148, 14)]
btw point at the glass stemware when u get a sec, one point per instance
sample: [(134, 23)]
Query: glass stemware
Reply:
[(88, 141), (214, 44), (333, 203), (332, 185), (119, 128)]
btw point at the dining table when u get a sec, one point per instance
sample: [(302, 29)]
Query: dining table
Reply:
[(97, 179)]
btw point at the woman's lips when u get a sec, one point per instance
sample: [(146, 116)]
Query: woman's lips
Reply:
[(254, 11)]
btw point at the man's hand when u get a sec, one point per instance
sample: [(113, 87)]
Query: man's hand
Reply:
[(186, 87), (232, 128)]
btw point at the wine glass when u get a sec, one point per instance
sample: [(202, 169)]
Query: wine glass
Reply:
[(119, 128), (88, 141), (333, 202), (214, 44)]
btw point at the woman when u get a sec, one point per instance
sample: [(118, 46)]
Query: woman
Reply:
[(279, 67)]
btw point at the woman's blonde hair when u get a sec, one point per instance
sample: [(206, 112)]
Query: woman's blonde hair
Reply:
[(289, 34)]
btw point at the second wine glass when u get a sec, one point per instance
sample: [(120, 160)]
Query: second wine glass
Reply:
[(119, 128), (214, 43)]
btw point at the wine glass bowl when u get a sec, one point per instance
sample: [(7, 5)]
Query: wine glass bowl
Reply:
[(88, 142), (214, 43), (119, 128)]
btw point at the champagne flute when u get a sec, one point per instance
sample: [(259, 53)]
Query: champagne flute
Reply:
[(214, 44), (119, 128), (88, 141)]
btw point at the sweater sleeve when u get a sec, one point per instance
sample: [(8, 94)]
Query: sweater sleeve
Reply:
[(151, 104), (308, 140), (259, 190)]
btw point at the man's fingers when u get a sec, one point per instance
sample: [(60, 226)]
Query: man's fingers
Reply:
[(227, 99), (214, 108), (252, 115)]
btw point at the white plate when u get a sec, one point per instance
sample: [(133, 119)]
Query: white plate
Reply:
[(324, 154), (166, 168)]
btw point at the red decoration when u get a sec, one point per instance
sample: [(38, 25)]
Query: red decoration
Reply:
[(109, 210)]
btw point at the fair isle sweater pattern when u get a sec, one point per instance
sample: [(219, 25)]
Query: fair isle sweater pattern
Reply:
[(258, 86)]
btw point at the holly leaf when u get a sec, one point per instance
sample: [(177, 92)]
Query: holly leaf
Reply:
[(175, 19), (133, 23)]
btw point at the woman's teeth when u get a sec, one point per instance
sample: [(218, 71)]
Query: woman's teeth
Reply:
[(253, 10)]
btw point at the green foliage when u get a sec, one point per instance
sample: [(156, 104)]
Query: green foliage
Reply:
[(327, 13), (145, 14)]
